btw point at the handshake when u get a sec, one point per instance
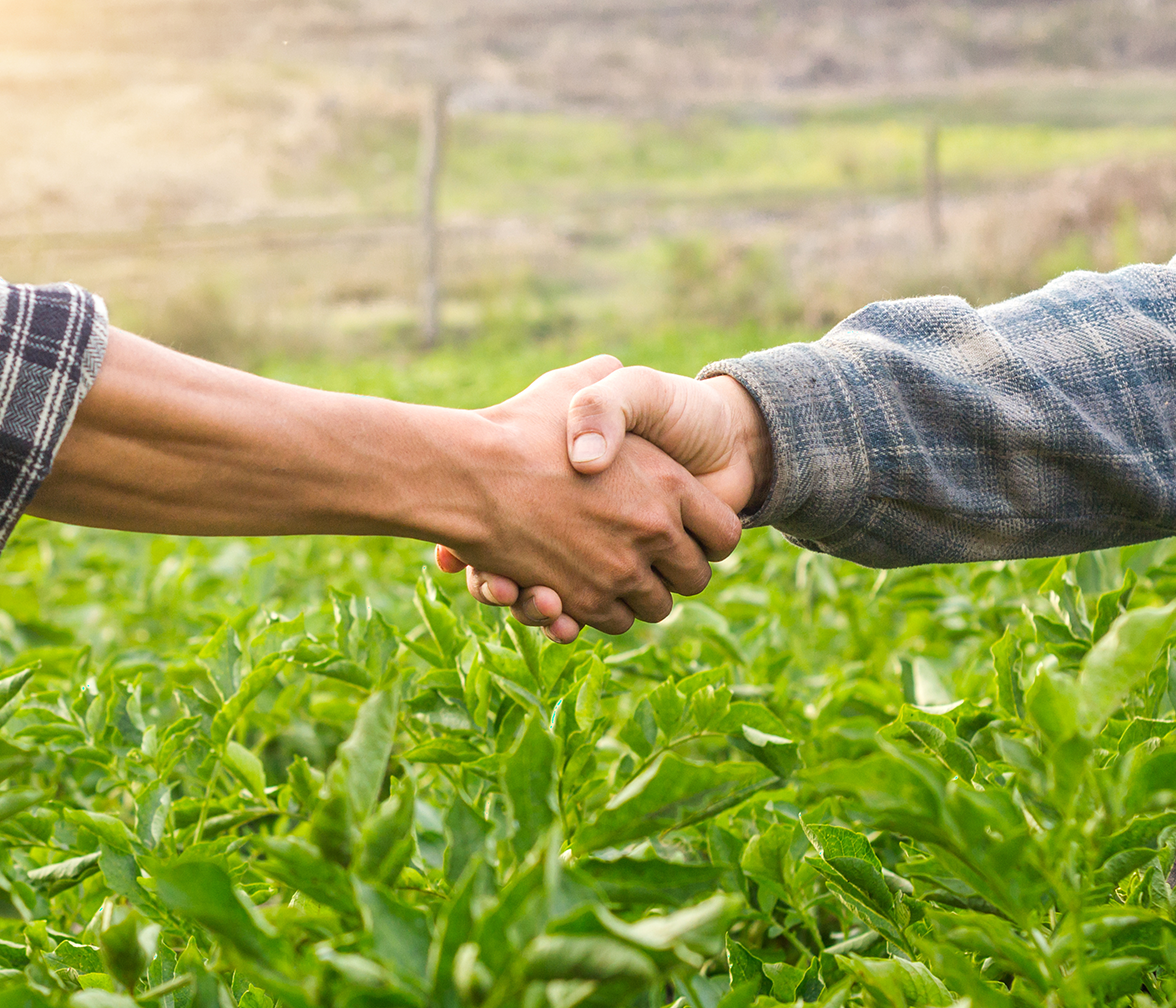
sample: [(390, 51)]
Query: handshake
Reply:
[(617, 488)]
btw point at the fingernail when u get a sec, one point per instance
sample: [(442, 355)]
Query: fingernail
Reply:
[(588, 447), (488, 591)]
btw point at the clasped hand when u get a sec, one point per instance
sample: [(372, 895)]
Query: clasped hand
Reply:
[(664, 463)]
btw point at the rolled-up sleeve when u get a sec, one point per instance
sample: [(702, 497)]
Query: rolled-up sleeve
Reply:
[(925, 430), (52, 341)]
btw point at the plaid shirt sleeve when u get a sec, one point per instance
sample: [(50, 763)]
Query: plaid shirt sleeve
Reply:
[(52, 340), (927, 431)]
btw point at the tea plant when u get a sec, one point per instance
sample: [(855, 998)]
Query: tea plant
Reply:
[(226, 783)]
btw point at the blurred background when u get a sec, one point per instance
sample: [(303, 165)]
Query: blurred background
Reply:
[(673, 180)]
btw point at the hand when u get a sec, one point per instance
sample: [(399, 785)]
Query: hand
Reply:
[(712, 427), (615, 541)]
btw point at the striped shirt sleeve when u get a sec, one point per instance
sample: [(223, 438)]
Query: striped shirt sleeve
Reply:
[(929, 431), (52, 341)]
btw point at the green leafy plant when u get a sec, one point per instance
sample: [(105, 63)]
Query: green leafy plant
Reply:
[(226, 783)]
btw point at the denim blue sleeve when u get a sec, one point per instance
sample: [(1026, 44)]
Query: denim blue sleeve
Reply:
[(925, 430)]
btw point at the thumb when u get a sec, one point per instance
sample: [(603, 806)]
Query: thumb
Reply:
[(629, 399)]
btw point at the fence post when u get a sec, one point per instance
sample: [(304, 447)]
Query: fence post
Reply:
[(432, 151)]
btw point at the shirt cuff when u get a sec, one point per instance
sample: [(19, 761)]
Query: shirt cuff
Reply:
[(52, 343), (821, 470)]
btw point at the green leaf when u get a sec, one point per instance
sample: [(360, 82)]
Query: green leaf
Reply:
[(364, 757), (249, 690), (767, 857), (16, 801), (669, 794), (247, 767), (442, 624), (778, 754), (529, 785), (898, 981), (700, 927), (1050, 703), (201, 891), (221, 656), (567, 957), (109, 829), (447, 751), (465, 835), (746, 968), (1119, 661), (300, 865), (400, 934), (121, 872), (837, 842), (83, 958)]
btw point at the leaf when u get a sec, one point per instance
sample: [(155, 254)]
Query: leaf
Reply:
[(640, 732), (837, 842), (400, 934), (16, 801), (247, 766), (746, 968), (83, 958), (1119, 661), (1119, 866), (10, 687), (220, 656), (1050, 703), (63, 874), (364, 757), (121, 872), (444, 750), (588, 696), (568, 957), (250, 689), (912, 982), (669, 794), (299, 864), (151, 814), (202, 892), (699, 927), (441, 622), (778, 754), (766, 858), (529, 784), (107, 828), (465, 836), (651, 880)]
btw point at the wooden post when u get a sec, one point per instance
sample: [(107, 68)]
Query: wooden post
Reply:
[(933, 185), (432, 151)]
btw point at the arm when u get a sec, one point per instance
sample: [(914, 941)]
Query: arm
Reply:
[(925, 431), (164, 442)]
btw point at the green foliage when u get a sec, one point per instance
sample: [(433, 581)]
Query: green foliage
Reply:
[(299, 774)]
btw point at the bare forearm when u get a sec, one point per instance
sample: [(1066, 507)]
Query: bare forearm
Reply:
[(169, 443)]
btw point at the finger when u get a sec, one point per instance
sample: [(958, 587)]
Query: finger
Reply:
[(447, 560), (564, 630), (631, 399), (652, 602), (491, 589), (614, 619), (538, 606), (711, 522)]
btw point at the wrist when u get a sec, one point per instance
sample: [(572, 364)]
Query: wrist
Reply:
[(750, 438)]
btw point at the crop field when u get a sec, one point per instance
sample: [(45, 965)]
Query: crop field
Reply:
[(312, 773), (307, 772)]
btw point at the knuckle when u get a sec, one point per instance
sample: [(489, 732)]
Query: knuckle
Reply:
[(589, 402), (694, 582)]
